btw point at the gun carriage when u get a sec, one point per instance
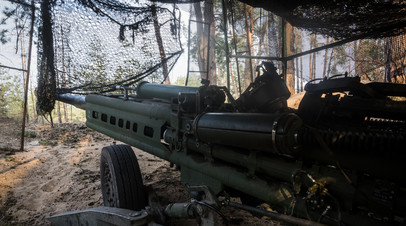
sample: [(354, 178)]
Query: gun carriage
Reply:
[(338, 159)]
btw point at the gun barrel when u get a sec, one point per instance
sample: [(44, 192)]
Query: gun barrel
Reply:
[(149, 91), (77, 101)]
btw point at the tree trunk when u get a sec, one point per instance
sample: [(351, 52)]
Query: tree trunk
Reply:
[(58, 109), (301, 60), (23, 64), (301, 74), (236, 59), (209, 18), (314, 41), (65, 108), (297, 48), (248, 11), (335, 61), (235, 89), (58, 104), (388, 59), (69, 81), (290, 67), (325, 60), (356, 66), (267, 37), (263, 32), (157, 28), (201, 40), (314, 65), (349, 66), (329, 63), (310, 65), (35, 116)]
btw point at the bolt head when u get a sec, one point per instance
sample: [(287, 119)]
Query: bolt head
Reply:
[(135, 214)]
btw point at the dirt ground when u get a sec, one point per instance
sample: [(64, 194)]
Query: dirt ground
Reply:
[(59, 171)]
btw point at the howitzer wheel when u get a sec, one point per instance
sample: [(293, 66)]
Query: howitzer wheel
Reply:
[(121, 180)]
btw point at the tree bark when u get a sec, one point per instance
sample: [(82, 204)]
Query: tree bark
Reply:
[(58, 104), (209, 18), (301, 60), (301, 74), (314, 55), (65, 110), (266, 45), (201, 40), (310, 65), (388, 59), (329, 63), (35, 116), (356, 66), (297, 48), (325, 60), (290, 67), (23, 63), (248, 11), (263, 32), (157, 28), (335, 61)]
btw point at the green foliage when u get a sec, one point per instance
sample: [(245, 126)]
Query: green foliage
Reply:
[(30, 134), (194, 80), (342, 55), (9, 158), (48, 143), (3, 36), (73, 114), (7, 13), (86, 159), (12, 14), (130, 68), (366, 61), (94, 71), (3, 104), (11, 90), (370, 57)]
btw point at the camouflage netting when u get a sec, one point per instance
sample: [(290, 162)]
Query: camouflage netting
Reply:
[(91, 46), (342, 19)]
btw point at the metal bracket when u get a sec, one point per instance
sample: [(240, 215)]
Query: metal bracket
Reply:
[(206, 215), (101, 216)]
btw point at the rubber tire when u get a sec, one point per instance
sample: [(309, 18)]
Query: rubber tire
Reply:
[(121, 180)]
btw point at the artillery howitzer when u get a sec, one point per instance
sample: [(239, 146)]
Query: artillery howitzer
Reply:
[(338, 159)]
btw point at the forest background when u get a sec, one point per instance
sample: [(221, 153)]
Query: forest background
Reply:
[(253, 36)]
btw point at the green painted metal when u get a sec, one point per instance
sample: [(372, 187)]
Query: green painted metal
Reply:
[(149, 91), (251, 131), (141, 117), (195, 170), (246, 152), (199, 162)]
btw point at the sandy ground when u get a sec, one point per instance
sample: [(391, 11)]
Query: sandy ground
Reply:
[(59, 171)]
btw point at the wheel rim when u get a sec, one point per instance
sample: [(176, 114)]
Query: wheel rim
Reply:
[(109, 188)]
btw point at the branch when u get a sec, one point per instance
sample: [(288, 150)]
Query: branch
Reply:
[(20, 2), (12, 68)]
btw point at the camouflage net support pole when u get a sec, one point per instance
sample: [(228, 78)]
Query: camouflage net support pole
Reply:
[(27, 75)]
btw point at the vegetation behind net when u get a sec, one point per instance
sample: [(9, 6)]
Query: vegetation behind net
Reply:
[(341, 19), (92, 46)]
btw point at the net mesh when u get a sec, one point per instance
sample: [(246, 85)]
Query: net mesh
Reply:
[(397, 59), (342, 19), (92, 46)]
